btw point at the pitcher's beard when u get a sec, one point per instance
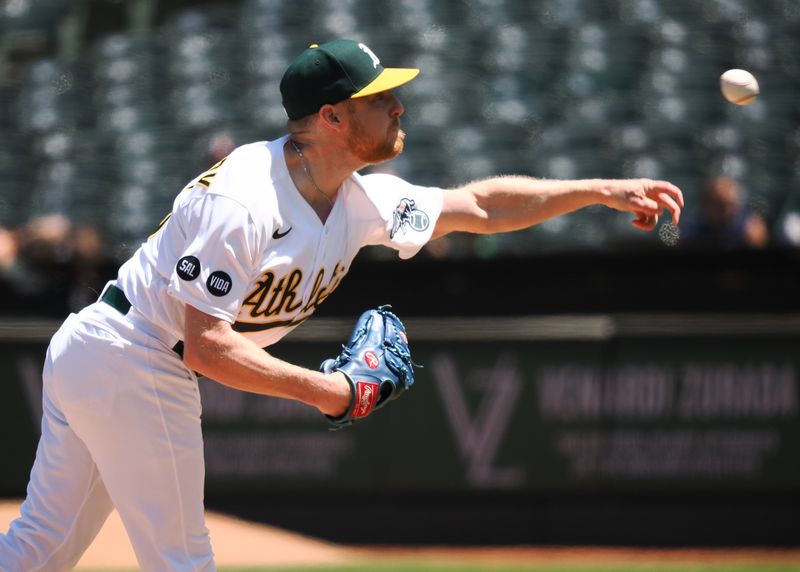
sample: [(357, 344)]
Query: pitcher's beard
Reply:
[(399, 143), (374, 152)]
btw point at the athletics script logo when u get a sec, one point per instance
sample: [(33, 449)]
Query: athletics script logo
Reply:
[(480, 434)]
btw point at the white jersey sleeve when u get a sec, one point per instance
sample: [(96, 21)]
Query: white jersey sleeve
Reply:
[(215, 266), (407, 213)]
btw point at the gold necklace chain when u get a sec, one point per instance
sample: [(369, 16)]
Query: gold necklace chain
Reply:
[(308, 173)]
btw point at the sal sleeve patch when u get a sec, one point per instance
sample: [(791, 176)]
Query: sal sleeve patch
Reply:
[(213, 271)]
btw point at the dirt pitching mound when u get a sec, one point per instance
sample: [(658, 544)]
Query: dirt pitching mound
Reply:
[(241, 543), (236, 543)]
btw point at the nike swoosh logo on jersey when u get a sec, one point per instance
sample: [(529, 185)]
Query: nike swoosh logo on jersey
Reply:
[(278, 234)]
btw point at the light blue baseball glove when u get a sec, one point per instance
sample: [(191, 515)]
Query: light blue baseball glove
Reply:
[(376, 361)]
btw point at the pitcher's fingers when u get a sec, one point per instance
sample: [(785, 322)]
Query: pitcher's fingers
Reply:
[(672, 190), (645, 221), (671, 205), (644, 204)]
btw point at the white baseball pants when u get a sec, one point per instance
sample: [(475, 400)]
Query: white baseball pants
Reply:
[(121, 428)]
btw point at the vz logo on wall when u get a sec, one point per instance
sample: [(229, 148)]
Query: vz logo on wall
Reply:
[(407, 214), (481, 432)]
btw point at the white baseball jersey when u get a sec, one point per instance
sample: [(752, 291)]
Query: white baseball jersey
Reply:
[(121, 424), (243, 245)]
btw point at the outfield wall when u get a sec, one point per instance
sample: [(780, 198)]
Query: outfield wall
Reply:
[(538, 429)]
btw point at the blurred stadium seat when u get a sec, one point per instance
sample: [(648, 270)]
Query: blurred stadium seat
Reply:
[(549, 88)]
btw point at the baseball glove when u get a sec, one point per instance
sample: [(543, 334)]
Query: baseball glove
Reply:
[(376, 361)]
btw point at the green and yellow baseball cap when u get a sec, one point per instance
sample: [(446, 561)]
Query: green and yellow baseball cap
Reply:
[(333, 72)]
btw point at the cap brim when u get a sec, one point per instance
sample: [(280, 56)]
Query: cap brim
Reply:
[(389, 78)]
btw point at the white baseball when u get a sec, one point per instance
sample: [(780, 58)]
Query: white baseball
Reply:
[(739, 86)]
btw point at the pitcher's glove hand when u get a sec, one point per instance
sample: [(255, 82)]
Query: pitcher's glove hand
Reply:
[(377, 363)]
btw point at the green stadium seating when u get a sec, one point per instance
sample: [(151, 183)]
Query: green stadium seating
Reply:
[(550, 88)]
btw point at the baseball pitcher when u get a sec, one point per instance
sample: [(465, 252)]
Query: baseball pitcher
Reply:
[(251, 248)]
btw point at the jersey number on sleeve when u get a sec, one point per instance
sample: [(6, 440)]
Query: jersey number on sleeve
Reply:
[(203, 180)]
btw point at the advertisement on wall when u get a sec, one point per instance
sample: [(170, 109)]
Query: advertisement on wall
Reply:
[(542, 417), (679, 413)]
